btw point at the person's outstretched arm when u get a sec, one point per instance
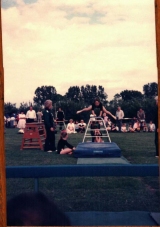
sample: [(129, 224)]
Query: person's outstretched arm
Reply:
[(107, 112), (85, 109)]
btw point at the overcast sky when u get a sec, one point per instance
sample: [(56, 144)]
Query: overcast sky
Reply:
[(65, 43)]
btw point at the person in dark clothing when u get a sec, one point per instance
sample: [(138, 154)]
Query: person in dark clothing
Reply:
[(62, 143), (49, 126), (60, 117), (97, 109), (34, 209), (156, 127)]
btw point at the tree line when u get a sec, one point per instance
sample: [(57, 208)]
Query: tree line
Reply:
[(77, 98)]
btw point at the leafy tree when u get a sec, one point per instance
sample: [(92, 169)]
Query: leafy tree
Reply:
[(150, 90), (24, 106), (117, 97), (131, 94), (86, 94), (89, 92), (74, 94), (43, 93), (10, 108)]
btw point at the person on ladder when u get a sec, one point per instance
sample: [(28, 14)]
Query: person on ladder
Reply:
[(97, 109)]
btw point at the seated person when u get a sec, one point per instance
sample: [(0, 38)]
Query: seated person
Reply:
[(136, 126), (114, 128), (71, 127), (123, 128), (105, 118), (151, 127), (94, 125), (109, 128), (145, 128), (97, 137), (62, 143), (134, 119), (130, 128), (82, 126), (109, 122), (76, 126)]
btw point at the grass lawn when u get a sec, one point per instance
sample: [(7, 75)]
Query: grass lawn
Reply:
[(90, 193)]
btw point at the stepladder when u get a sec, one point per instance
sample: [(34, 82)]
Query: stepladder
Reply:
[(61, 124), (96, 124), (34, 136)]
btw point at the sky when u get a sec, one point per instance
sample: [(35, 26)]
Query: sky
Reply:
[(67, 43)]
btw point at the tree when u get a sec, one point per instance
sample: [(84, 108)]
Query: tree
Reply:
[(10, 108), (131, 94), (89, 92), (74, 94), (24, 106), (43, 93), (150, 90), (86, 94)]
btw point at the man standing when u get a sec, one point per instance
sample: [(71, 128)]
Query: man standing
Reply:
[(60, 117), (119, 117), (156, 129), (31, 115), (49, 126), (141, 117), (39, 116)]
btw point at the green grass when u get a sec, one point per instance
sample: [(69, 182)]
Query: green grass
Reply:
[(90, 193)]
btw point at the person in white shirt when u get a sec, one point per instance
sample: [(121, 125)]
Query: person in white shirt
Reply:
[(12, 120), (119, 117), (82, 126), (151, 127), (109, 125), (105, 118), (31, 115), (71, 127), (22, 122), (39, 116), (136, 126)]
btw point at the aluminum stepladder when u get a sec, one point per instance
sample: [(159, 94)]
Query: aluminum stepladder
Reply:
[(63, 123), (102, 128)]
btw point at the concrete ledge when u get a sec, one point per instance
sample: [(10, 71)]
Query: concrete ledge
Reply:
[(109, 160), (126, 218), (156, 217)]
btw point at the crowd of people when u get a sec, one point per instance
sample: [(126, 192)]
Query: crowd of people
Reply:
[(136, 124), (19, 120), (119, 124)]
